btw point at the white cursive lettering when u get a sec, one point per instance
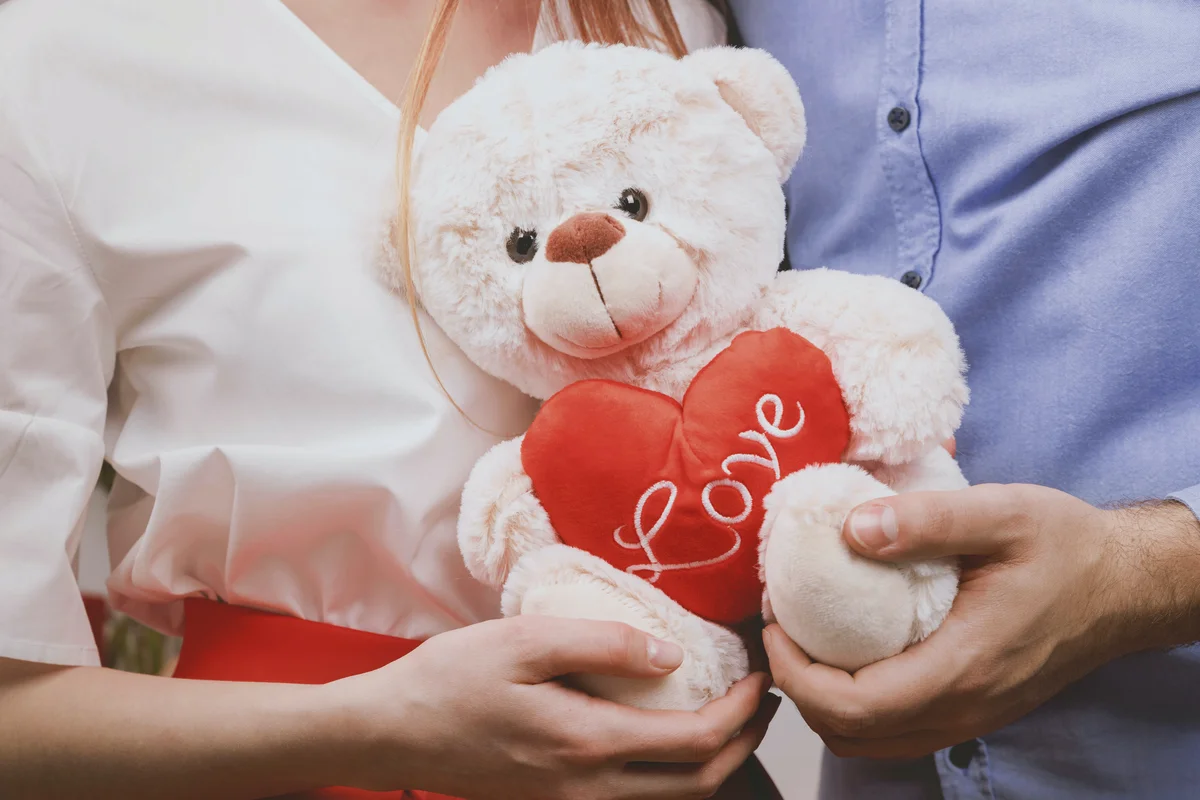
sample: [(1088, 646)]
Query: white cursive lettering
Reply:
[(769, 428)]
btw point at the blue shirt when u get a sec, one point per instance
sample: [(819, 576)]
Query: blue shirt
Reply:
[(1042, 182)]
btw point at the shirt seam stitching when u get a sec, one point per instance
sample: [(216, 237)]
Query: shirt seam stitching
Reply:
[(937, 199), (48, 646), (889, 171), (69, 219)]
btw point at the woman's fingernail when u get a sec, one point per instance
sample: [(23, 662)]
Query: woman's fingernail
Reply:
[(664, 655), (874, 527)]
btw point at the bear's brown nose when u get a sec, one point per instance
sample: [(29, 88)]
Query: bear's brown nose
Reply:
[(582, 238)]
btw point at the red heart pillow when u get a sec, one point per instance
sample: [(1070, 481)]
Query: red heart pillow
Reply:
[(673, 492)]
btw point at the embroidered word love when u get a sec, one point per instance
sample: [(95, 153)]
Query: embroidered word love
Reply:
[(770, 461), (693, 474)]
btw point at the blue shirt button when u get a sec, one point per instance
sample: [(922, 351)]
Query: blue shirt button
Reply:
[(911, 279), (898, 118)]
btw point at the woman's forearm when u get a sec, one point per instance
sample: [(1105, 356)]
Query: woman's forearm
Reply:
[(85, 732)]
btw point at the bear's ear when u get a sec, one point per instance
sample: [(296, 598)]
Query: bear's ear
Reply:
[(760, 89)]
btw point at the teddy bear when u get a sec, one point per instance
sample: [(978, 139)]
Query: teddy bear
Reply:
[(603, 227)]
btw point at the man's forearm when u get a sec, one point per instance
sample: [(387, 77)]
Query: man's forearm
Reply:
[(1157, 547), (94, 733)]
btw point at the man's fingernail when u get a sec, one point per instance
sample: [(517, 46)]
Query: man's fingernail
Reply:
[(768, 635), (874, 527), (664, 655)]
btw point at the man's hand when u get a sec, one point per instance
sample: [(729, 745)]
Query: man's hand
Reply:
[(1051, 589)]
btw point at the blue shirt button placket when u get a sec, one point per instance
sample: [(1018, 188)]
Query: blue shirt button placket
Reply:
[(914, 199)]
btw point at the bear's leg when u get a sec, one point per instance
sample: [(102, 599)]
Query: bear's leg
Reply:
[(562, 581), (840, 608)]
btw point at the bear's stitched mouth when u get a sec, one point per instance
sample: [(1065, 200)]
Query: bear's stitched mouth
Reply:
[(599, 291), (590, 303), (622, 347)]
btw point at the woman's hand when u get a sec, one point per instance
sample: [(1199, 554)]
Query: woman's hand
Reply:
[(478, 712), (1051, 588)]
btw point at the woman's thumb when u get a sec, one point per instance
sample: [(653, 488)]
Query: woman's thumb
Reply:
[(557, 647)]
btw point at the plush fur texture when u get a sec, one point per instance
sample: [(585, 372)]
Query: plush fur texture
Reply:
[(500, 519), (842, 609), (894, 352), (553, 145), (565, 131), (565, 582)]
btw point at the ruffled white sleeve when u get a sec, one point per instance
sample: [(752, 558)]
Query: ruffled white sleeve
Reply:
[(56, 359)]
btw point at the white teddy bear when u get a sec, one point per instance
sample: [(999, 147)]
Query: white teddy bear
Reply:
[(592, 219)]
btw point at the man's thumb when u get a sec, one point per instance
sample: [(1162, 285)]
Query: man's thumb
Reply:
[(922, 525)]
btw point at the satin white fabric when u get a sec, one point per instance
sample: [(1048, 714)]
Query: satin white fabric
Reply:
[(192, 195)]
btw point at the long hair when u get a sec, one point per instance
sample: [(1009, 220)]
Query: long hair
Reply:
[(602, 21)]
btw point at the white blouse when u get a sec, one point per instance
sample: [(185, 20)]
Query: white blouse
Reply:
[(192, 195)]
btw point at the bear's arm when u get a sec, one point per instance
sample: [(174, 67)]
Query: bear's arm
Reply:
[(936, 471), (894, 352), (501, 519)]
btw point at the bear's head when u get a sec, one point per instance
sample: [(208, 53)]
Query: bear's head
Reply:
[(591, 211)]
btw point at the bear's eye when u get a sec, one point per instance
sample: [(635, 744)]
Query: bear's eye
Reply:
[(634, 204), (522, 245)]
